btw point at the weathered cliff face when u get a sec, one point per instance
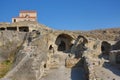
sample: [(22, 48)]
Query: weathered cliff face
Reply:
[(44, 52), (29, 61), (9, 43), (40, 53)]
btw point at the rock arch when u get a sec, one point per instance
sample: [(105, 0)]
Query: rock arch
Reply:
[(64, 42)]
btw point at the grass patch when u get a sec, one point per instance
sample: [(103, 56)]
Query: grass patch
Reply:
[(5, 67)]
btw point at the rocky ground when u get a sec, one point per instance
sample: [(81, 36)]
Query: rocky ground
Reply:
[(63, 73), (107, 71)]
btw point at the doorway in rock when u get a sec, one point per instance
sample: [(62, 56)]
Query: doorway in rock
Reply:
[(12, 28), (50, 48), (24, 29), (64, 42), (2, 29), (105, 47)]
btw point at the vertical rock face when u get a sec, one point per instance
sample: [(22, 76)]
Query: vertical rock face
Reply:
[(30, 60), (10, 41), (40, 52)]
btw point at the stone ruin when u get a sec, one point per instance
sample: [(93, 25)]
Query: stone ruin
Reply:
[(44, 50)]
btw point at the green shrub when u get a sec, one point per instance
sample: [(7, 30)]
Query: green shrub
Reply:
[(5, 67)]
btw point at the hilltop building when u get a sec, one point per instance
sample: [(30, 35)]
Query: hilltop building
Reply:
[(25, 16), (25, 22)]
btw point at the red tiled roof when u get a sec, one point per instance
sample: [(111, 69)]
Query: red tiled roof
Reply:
[(28, 11)]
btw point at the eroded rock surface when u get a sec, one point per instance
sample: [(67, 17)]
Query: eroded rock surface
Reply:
[(46, 54)]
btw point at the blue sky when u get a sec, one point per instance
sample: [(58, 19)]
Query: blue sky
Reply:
[(67, 14)]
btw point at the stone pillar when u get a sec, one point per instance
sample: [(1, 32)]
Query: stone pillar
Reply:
[(5, 29), (17, 28)]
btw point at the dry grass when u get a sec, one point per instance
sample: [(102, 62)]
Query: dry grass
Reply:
[(4, 67)]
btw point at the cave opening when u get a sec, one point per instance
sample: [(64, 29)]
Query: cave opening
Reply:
[(62, 46), (12, 28), (2, 29), (24, 29), (105, 47), (64, 42)]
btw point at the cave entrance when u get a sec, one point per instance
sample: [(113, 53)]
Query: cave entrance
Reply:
[(62, 46), (64, 42), (24, 29), (2, 29), (12, 28), (51, 49), (105, 47), (102, 48)]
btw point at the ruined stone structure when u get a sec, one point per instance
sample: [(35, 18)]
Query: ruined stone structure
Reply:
[(25, 16), (114, 57), (42, 53)]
